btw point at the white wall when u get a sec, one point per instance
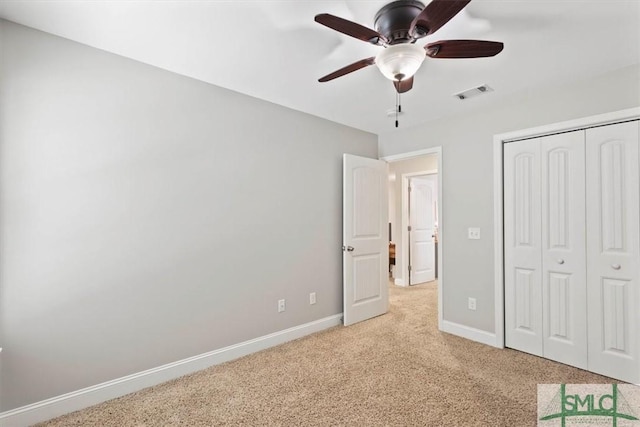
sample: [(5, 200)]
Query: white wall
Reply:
[(397, 169), (467, 171), (147, 217)]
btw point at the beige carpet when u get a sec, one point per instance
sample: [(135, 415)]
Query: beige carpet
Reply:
[(397, 369)]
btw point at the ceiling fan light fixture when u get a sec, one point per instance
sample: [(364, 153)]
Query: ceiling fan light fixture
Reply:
[(400, 61)]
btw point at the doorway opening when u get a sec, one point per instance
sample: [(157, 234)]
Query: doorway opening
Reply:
[(412, 238)]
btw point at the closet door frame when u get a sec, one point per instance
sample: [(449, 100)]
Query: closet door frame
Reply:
[(498, 219)]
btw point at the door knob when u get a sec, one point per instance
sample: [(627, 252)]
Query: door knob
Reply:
[(560, 261), (616, 266), (348, 248)]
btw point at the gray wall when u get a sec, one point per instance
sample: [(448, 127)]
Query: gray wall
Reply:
[(147, 217), (467, 173)]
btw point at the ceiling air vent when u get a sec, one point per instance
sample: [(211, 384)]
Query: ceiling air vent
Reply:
[(470, 93)]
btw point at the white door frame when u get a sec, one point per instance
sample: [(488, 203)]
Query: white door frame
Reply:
[(498, 220), (404, 223), (437, 151)]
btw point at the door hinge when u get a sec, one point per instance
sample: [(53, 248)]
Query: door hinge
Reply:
[(409, 189), (409, 268), (409, 228)]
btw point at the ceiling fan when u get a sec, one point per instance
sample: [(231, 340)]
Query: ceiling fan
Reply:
[(398, 26)]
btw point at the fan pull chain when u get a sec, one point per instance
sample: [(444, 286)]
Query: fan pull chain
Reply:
[(398, 107)]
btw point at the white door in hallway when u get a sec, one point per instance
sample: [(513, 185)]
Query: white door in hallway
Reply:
[(422, 218), (365, 238), (613, 250)]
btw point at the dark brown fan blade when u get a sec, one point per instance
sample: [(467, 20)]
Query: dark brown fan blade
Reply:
[(350, 28), (404, 85), (463, 49), (348, 69), (435, 15)]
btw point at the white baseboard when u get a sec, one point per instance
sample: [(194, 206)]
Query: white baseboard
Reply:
[(399, 282), (74, 401), (469, 333)]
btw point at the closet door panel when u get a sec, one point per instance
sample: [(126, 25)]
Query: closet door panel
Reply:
[(523, 294), (564, 306), (613, 254)]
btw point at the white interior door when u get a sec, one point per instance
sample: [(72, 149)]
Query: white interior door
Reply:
[(422, 217), (613, 253), (365, 238), (564, 290), (522, 247)]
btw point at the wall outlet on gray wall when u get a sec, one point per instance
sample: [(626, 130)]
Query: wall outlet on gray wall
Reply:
[(474, 233)]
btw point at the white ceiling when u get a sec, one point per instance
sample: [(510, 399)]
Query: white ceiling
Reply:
[(274, 50)]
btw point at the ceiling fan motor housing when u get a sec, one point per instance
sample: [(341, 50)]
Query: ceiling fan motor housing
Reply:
[(394, 21)]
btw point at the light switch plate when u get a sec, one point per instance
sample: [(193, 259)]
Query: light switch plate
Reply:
[(474, 233)]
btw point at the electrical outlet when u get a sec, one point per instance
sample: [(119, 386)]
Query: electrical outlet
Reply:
[(474, 233), (312, 298), (472, 304), (281, 305)]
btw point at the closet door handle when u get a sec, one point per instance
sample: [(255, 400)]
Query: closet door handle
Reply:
[(616, 266), (560, 261)]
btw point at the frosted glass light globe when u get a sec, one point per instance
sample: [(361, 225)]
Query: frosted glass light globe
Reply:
[(400, 61)]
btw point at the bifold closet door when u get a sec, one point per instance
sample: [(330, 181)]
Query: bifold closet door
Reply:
[(564, 289), (544, 220), (522, 246), (613, 255)]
